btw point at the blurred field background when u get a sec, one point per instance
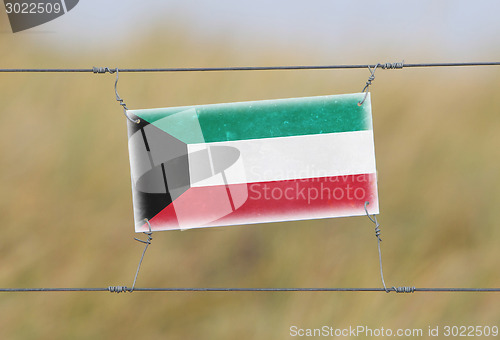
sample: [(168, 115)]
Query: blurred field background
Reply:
[(66, 207)]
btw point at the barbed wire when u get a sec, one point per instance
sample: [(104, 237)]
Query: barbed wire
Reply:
[(120, 289), (398, 65)]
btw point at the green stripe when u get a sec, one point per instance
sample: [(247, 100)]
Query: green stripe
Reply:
[(262, 119)]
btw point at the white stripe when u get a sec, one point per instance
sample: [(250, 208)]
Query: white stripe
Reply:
[(298, 157), (210, 160)]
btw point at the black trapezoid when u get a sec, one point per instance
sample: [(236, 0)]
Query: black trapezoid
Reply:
[(160, 169)]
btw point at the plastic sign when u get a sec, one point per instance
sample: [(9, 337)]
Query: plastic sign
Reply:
[(252, 162)]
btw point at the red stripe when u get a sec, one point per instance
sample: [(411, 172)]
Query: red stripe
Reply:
[(270, 202)]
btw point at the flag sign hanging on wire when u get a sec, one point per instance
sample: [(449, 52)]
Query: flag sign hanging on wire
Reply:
[(252, 162)]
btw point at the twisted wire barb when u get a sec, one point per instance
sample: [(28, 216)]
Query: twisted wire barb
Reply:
[(118, 289), (392, 66)]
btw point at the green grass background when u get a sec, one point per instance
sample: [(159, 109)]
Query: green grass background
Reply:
[(66, 207)]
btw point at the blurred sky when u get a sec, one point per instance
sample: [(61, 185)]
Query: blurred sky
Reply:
[(423, 30)]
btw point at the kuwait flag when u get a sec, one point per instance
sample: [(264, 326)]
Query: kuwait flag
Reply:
[(252, 162)]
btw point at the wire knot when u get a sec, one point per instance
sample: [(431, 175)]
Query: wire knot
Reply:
[(368, 83), (148, 241), (374, 220), (118, 289), (403, 289), (378, 232), (103, 70), (392, 66)]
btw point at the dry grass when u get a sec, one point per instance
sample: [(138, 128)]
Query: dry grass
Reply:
[(66, 215)]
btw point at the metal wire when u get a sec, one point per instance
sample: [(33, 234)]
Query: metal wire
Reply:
[(173, 289), (118, 98), (147, 243), (249, 68), (379, 239), (373, 218), (365, 91)]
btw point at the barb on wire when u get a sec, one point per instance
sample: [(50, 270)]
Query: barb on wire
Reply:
[(392, 66), (118, 289), (103, 70)]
